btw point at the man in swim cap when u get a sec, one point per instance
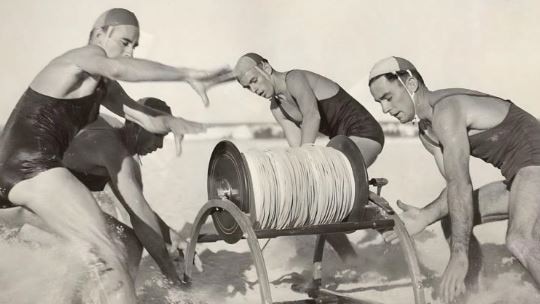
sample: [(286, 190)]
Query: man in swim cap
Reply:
[(456, 124), (104, 153), (305, 103), (64, 97)]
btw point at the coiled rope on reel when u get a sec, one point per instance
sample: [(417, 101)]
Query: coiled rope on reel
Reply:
[(297, 187), (284, 189), (257, 195)]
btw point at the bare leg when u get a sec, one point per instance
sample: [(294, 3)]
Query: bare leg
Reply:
[(131, 245), (342, 246), (16, 217), (491, 203), (68, 208), (370, 149), (523, 235)]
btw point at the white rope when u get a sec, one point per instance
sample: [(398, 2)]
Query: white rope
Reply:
[(298, 187)]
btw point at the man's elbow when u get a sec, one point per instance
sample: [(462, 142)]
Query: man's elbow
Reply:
[(119, 72)]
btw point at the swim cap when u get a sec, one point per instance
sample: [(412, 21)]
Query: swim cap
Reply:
[(247, 62), (255, 57), (155, 103), (116, 16), (390, 65)]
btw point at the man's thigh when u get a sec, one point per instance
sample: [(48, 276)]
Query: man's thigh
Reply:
[(524, 203)]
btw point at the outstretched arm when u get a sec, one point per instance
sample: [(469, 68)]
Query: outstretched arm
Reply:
[(150, 119), (92, 59), (417, 219), (155, 121), (450, 125)]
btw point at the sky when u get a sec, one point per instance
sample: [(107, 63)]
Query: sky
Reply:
[(491, 46)]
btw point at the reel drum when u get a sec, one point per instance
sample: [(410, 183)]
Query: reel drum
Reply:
[(351, 151), (229, 178)]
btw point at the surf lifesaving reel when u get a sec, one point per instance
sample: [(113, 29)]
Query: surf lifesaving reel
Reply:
[(234, 203)]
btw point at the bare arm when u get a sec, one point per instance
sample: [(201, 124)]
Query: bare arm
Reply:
[(93, 60), (417, 219), (203, 86), (291, 130), (307, 102), (150, 119), (127, 186), (450, 126)]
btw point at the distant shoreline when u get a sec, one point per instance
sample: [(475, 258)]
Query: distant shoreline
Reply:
[(254, 130), (273, 130)]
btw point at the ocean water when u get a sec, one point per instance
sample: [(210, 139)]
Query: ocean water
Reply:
[(38, 268)]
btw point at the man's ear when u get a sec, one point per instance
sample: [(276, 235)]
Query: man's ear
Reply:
[(412, 84), (265, 66), (101, 33), (98, 35)]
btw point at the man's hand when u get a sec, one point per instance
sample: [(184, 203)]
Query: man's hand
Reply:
[(412, 218), (179, 127), (202, 81), (178, 247), (453, 280)]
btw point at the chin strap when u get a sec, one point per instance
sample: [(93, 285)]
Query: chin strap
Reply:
[(411, 95)]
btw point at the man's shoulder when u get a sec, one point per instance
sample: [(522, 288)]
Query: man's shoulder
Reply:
[(299, 76), (81, 52), (447, 101), (299, 79), (294, 77), (74, 58), (105, 145), (103, 133), (458, 96)]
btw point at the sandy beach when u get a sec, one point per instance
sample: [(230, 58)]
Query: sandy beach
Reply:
[(176, 188)]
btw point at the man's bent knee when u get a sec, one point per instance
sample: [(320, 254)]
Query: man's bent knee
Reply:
[(519, 245), (103, 267)]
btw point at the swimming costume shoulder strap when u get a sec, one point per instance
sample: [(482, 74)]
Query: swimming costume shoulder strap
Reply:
[(278, 102), (466, 92)]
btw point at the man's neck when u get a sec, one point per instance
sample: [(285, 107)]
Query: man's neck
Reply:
[(280, 85), (423, 103)]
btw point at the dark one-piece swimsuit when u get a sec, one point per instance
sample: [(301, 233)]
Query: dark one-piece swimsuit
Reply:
[(38, 133), (511, 145), (341, 114)]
